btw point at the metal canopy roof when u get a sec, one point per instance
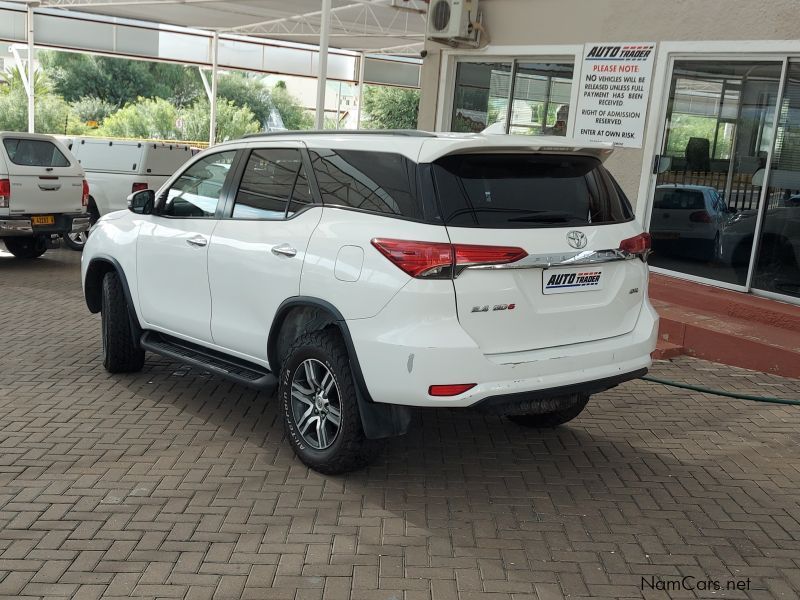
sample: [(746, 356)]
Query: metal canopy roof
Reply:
[(389, 26)]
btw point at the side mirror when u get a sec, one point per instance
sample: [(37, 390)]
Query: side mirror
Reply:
[(142, 202)]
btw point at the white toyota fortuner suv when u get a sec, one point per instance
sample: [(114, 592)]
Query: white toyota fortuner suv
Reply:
[(363, 273)]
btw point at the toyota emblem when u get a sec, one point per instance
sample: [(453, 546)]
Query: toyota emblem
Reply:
[(576, 239)]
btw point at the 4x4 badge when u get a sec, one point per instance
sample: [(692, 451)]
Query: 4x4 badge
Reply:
[(576, 239)]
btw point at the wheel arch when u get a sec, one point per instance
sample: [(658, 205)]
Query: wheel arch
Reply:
[(93, 289), (301, 314)]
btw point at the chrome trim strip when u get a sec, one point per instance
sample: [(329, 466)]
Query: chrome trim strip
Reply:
[(80, 224), (569, 259), (15, 227)]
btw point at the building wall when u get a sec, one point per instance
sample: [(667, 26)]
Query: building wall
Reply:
[(541, 22)]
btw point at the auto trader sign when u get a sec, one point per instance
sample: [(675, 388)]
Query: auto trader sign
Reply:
[(614, 88)]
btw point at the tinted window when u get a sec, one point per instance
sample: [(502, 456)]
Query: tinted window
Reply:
[(34, 153), (678, 199), (527, 191), (197, 191), (274, 185), (380, 182)]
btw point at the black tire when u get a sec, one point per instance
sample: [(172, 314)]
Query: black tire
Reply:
[(349, 449), (121, 353), (26, 247), (553, 418)]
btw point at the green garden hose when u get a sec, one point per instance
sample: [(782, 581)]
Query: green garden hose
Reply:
[(696, 388)]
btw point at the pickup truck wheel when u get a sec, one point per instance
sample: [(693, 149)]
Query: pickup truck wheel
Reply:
[(320, 410), (120, 352), (553, 418), (76, 241), (26, 247)]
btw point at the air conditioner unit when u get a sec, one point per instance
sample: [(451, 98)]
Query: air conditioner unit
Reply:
[(452, 19)]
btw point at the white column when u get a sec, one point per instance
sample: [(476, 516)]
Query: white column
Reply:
[(362, 59), (212, 132), (31, 92), (322, 73)]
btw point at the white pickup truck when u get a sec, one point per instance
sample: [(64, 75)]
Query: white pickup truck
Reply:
[(43, 193), (117, 168)]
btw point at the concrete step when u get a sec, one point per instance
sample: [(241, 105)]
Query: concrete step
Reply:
[(730, 340), (712, 300), (666, 350)]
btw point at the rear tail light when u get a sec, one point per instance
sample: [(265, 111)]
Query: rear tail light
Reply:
[(639, 244), (440, 260), (138, 187), (453, 389), (700, 216), (85, 196), (5, 193)]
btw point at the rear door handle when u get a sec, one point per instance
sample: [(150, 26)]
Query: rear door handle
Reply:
[(284, 250), (197, 241)]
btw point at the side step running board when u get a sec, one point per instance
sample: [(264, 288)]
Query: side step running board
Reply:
[(240, 371)]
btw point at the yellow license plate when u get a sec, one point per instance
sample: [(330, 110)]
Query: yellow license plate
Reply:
[(43, 220)]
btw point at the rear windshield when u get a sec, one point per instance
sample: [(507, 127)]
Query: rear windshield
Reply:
[(678, 199), (34, 153), (527, 191)]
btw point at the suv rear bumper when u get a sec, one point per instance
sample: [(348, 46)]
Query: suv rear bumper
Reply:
[(400, 362), (64, 223)]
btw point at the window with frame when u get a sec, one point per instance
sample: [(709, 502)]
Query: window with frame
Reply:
[(196, 193), (541, 96), (379, 182), (274, 185), (34, 153)]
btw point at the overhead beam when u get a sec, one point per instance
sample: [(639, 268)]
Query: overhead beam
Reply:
[(314, 13)]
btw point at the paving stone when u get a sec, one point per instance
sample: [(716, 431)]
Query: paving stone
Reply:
[(172, 483)]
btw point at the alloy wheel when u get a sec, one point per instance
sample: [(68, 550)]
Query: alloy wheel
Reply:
[(316, 405), (79, 238)]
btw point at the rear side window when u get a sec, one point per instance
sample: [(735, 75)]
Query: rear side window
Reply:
[(678, 199), (379, 182), (34, 153), (512, 191), (274, 185)]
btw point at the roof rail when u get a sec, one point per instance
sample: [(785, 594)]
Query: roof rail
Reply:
[(304, 132)]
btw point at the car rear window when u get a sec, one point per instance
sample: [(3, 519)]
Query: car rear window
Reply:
[(379, 182), (34, 153), (527, 191), (678, 199)]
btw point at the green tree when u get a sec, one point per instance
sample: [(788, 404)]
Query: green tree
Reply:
[(291, 111), (390, 107), (119, 81), (247, 92), (232, 121), (52, 114), (92, 109), (11, 80), (148, 118)]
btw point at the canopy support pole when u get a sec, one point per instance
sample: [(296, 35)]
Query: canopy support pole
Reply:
[(212, 131), (362, 59), (322, 74), (30, 90)]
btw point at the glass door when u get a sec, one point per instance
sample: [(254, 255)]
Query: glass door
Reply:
[(718, 134), (777, 266)]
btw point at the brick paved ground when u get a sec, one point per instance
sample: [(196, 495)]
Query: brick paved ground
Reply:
[(174, 484)]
